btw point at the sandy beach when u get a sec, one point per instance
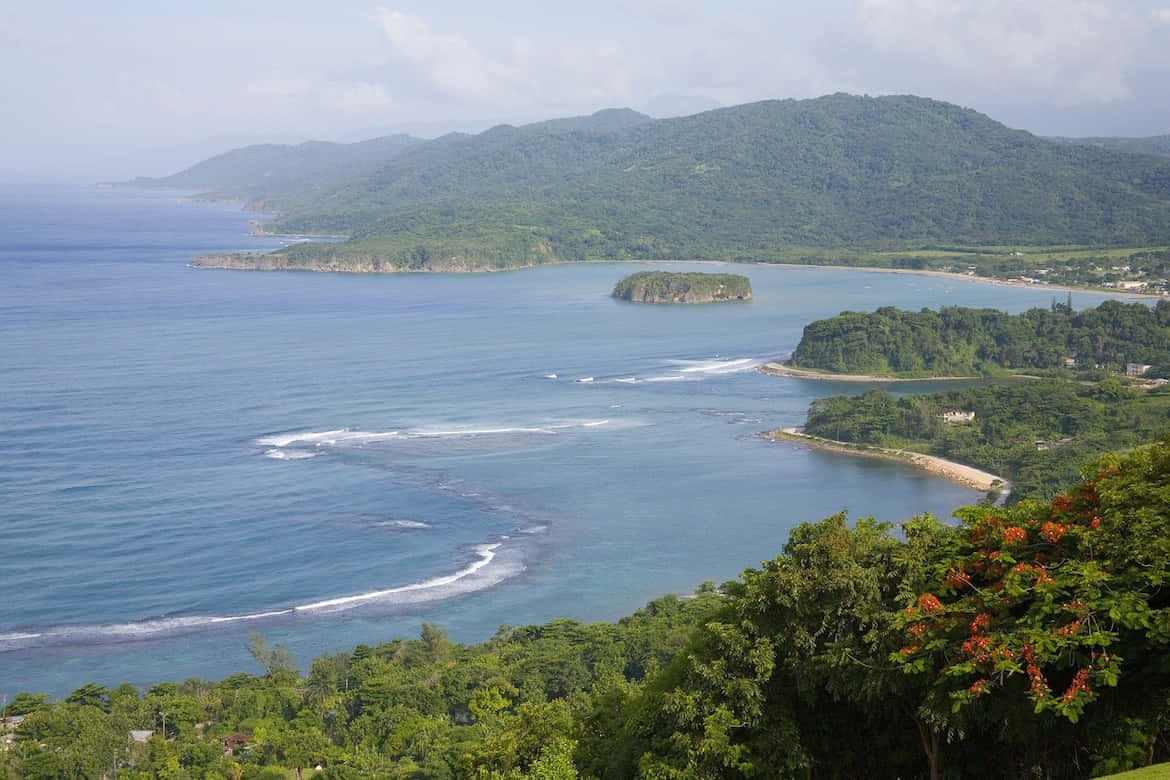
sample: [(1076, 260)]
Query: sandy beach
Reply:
[(779, 369), (956, 472)]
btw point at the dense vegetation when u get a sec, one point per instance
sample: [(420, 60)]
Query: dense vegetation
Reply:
[(1150, 144), (753, 182), (1023, 642), (1037, 434), (958, 341), (670, 287)]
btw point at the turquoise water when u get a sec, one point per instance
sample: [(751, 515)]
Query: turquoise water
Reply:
[(187, 455)]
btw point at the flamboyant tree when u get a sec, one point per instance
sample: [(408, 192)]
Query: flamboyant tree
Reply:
[(1043, 610)]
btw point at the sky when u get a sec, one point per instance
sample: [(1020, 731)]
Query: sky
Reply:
[(135, 87)]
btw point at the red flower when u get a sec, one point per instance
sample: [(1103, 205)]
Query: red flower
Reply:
[(929, 602), (1036, 682), (1079, 683), (980, 623), (1053, 531), (957, 578), (1014, 535)]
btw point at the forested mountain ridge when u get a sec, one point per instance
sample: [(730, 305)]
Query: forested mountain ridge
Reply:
[(267, 170), (1150, 144), (959, 341), (747, 182), (1020, 642)]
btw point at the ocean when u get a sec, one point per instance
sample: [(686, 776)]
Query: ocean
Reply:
[(329, 459)]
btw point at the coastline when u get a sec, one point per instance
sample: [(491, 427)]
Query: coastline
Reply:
[(778, 369), (969, 278), (967, 476), (368, 267)]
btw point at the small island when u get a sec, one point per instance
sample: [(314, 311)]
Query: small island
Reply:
[(668, 287)]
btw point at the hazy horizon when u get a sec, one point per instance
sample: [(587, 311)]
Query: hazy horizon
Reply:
[(135, 89)]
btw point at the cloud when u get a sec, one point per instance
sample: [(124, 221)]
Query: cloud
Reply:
[(358, 98), (443, 66), (1068, 52), (1161, 15)]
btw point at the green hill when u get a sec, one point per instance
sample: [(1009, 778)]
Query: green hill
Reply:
[(748, 182), (264, 171)]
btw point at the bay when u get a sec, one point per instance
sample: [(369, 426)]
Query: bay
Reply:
[(328, 459)]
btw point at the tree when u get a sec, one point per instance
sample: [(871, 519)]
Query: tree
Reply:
[(92, 694), (71, 740), (1043, 610), (275, 660)]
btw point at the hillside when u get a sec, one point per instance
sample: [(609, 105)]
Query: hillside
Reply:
[(1152, 144), (959, 341), (264, 171), (1037, 434), (747, 182)]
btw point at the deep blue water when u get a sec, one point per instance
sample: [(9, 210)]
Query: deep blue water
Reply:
[(187, 455)]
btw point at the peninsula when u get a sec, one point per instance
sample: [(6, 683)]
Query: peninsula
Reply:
[(668, 287), (954, 342)]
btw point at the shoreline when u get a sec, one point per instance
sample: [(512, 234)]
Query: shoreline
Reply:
[(966, 277), (773, 368), (968, 476), (360, 268)]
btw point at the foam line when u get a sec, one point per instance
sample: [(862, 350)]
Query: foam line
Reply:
[(487, 552), (150, 628), (717, 366), (402, 524), (280, 454), (278, 442)]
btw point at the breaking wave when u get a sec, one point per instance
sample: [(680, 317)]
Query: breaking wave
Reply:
[(282, 454), (403, 524), (300, 445), (685, 370), (491, 566)]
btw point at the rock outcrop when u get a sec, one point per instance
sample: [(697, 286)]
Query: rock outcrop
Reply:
[(667, 287)]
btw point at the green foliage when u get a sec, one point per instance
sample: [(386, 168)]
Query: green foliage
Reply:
[(1153, 144), (70, 740), (24, 703), (668, 287), (275, 660), (1038, 434), (1057, 611), (958, 341)]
